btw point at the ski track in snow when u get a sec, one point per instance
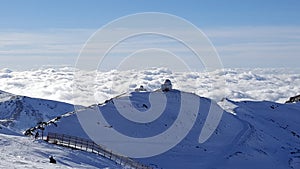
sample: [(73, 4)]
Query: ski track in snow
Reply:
[(233, 146)]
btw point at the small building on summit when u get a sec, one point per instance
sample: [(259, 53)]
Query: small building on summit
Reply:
[(293, 99), (167, 86), (140, 89)]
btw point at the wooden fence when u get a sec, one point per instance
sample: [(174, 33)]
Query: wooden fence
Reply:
[(90, 146)]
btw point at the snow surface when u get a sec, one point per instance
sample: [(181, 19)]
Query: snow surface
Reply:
[(18, 151), (237, 84), (20, 112), (262, 134)]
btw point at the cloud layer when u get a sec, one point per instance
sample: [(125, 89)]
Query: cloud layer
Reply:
[(237, 84)]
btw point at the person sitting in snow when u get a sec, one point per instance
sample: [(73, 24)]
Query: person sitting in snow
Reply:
[(167, 86), (52, 160)]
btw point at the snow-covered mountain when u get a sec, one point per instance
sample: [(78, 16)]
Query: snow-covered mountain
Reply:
[(20, 112), (255, 134), (251, 134)]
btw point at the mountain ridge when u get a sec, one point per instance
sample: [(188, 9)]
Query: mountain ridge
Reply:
[(21, 112), (256, 134)]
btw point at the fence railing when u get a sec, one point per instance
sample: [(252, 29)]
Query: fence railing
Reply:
[(90, 146)]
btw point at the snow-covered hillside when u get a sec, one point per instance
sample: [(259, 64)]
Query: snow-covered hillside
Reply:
[(20, 112), (20, 152), (255, 135)]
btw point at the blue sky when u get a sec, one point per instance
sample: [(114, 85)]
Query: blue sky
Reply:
[(246, 33)]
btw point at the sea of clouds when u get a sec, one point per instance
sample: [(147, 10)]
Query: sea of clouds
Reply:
[(96, 87)]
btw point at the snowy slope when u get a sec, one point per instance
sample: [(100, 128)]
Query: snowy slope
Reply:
[(17, 114), (273, 134), (256, 135), (18, 151), (20, 112)]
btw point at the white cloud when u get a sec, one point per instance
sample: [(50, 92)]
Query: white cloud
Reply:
[(257, 46), (236, 45), (261, 32), (57, 84), (40, 47)]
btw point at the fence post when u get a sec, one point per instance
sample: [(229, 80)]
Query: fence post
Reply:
[(93, 147), (42, 134), (69, 142), (62, 139)]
